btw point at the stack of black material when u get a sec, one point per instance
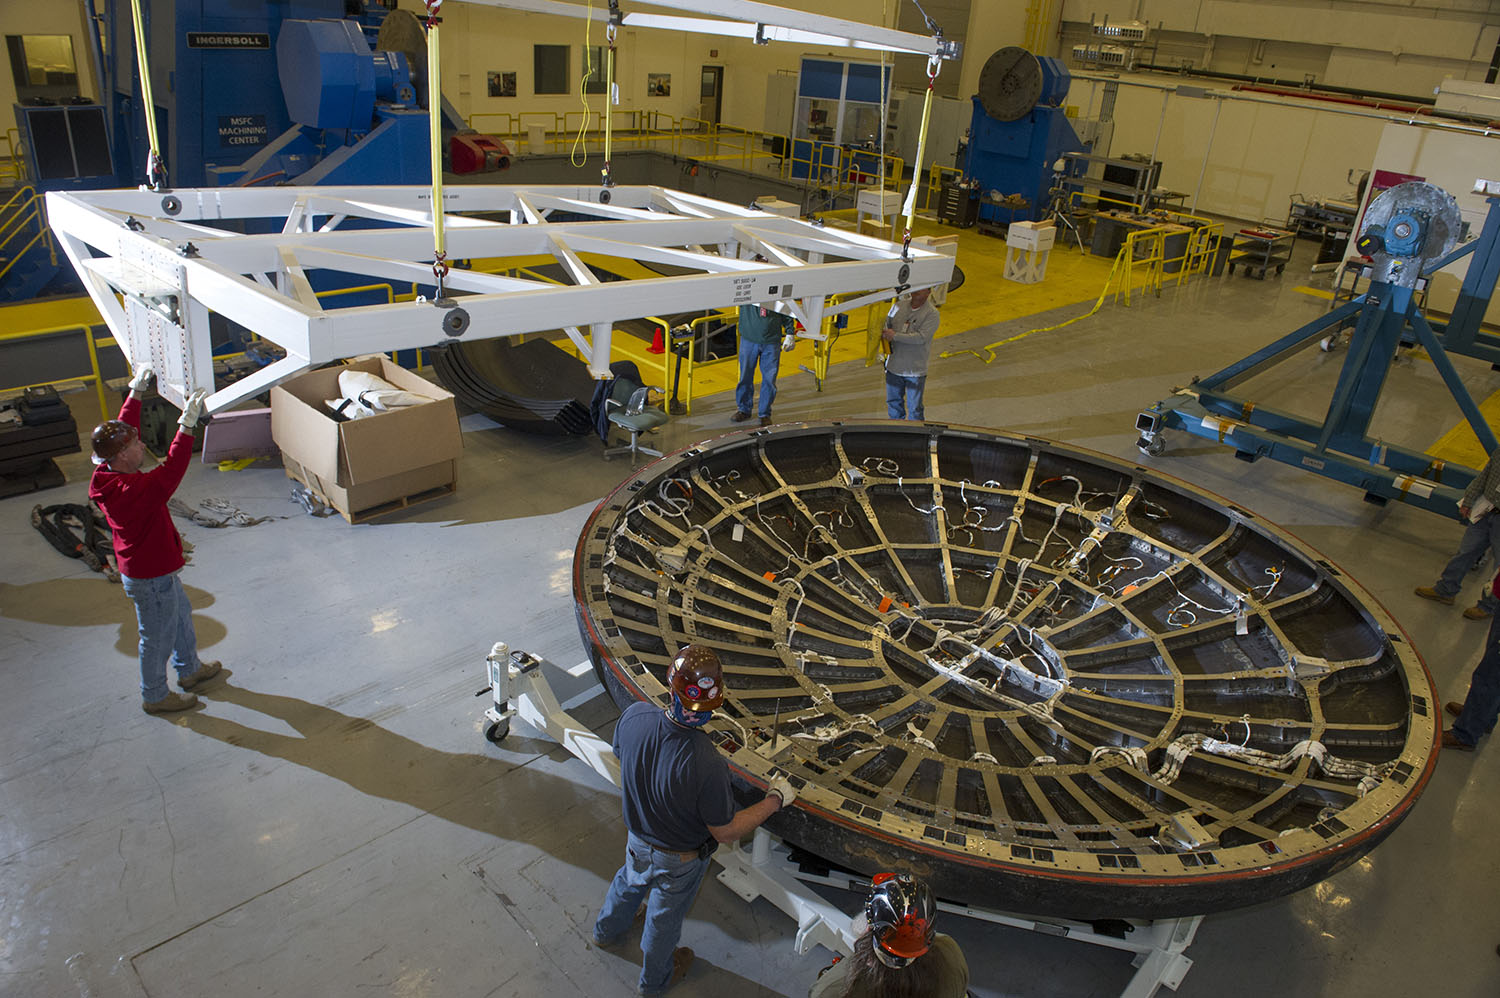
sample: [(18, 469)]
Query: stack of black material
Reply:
[(534, 386), (34, 429)]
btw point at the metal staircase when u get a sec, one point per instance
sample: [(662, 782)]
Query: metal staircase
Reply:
[(30, 263)]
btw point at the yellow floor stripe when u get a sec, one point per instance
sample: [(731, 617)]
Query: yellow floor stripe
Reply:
[(1460, 446), (1322, 293)]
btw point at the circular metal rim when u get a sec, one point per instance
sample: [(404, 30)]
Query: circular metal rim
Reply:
[(1013, 104), (1061, 884)]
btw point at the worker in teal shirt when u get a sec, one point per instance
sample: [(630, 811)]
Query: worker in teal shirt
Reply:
[(764, 333)]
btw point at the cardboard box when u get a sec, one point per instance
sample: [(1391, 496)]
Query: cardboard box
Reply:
[(368, 466)]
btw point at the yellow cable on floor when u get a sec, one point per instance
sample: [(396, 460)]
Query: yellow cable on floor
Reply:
[(990, 349)]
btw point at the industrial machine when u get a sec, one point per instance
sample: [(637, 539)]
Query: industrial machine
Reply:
[(278, 93), (1018, 131), (354, 112), (1408, 232)]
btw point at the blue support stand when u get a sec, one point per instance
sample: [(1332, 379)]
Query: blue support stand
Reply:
[(1340, 446)]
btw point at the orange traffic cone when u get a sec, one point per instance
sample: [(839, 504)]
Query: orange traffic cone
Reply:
[(658, 342)]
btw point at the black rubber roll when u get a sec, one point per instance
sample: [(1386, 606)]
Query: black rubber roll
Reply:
[(533, 386)]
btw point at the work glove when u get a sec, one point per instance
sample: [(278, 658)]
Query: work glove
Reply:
[(141, 381), (788, 342), (782, 787), (192, 410)]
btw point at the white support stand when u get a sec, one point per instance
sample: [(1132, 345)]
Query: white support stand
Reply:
[(519, 686), (880, 203), (1027, 245)]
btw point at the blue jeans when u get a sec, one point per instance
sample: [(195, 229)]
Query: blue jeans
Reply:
[(668, 884), (903, 396), (1482, 705), (1477, 537), (165, 621), (768, 356)]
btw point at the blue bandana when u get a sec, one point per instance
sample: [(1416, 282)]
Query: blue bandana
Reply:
[(688, 718)]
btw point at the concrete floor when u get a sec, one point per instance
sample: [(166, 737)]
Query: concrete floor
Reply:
[(333, 822)]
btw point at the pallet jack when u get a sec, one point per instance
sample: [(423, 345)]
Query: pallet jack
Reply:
[(520, 689)]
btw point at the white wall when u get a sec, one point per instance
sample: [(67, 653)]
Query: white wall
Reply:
[(1263, 154)]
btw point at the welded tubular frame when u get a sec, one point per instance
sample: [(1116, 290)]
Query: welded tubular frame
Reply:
[(251, 255), (1039, 678)]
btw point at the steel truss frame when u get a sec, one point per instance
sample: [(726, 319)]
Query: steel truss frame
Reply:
[(1339, 446), (157, 266), (759, 22)]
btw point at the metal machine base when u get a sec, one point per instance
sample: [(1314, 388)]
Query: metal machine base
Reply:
[(520, 689)]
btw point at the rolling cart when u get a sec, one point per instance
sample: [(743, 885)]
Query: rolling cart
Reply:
[(1259, 250)]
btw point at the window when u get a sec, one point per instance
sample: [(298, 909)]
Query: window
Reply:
[(593, 58), (550, 69), (42, 66)]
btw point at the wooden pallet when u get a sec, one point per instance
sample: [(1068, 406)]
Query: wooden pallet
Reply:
[(403, 502), (314, 484)]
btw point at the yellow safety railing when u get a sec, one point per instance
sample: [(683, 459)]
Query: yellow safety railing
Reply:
[(1143, 249), (935, 180), (690, 363), (390, 297), (32, 209), (93, 345), (12, 165)]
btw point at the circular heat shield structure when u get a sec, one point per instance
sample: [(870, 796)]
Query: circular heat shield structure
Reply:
[(1041, 679)]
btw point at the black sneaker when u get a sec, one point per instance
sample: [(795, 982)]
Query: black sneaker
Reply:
[(740, 417)]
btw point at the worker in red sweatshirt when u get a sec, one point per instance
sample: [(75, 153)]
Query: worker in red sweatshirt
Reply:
[(147, 546)]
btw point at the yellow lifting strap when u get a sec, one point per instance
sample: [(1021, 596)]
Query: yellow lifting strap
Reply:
[(435, 131), (933, 64), (156, 171), (609, 99)]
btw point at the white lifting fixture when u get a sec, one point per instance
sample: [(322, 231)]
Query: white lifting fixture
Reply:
[(158, 262), (520, 688)]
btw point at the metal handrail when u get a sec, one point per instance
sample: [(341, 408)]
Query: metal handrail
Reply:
[(93, 344), (44, 234), (935, 182), (24, 191), (390, 296), (1154, 243), (20, 220)]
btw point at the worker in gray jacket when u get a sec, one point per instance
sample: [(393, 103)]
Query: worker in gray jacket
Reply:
[(1480, 511), (908, 333)]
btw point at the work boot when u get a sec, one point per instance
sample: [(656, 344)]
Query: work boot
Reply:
[(682, 959), (204, 672), (740, 416), (1476, 613), (1450, 741), (1427, 592), (169, 703), (765, 420)]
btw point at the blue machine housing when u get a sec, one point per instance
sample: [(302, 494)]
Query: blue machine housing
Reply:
[(1016, 157), (353, 110), (214, 77)]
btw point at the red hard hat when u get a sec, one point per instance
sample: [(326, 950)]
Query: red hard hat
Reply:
[(697, 678), (901, 912), (110, 438)]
